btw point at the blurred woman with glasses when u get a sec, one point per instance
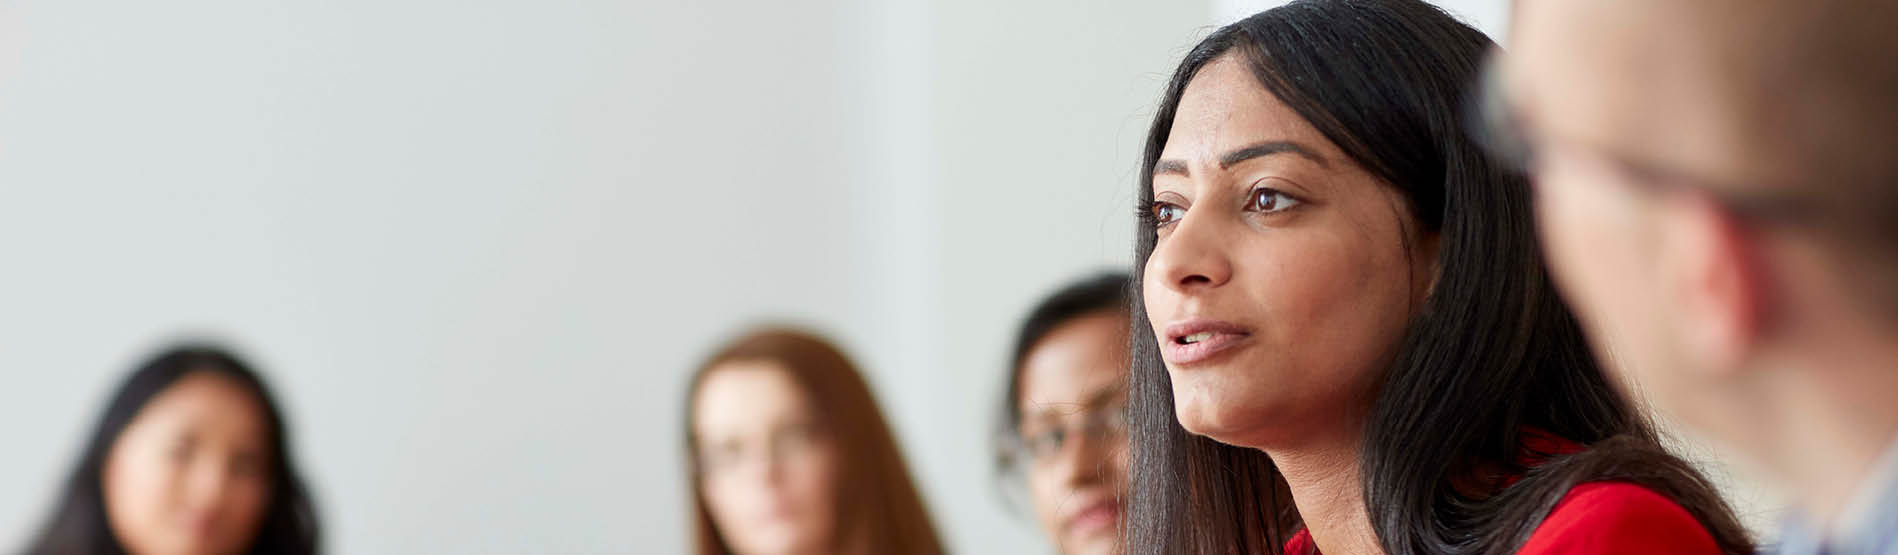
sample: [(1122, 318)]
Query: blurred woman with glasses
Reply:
[(1062, 434), (790, 455)]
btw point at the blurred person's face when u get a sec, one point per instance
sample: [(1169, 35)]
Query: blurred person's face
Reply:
[(768, 467), (191, 472), (1073, 431), (1611, 100), (1284, 273)]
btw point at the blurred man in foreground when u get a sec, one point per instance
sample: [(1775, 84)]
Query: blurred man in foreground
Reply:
[(1718, 195)]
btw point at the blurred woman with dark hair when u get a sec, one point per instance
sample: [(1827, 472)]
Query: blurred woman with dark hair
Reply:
[(191, 456), (790, 455)]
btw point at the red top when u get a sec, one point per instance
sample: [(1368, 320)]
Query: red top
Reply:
[(1596, 517)]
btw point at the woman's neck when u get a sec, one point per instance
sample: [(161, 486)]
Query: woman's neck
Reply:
[(1325, 483)]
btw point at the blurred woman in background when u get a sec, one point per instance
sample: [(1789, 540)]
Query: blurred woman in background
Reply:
[(191, 456), (790, 455), (1063, 416)]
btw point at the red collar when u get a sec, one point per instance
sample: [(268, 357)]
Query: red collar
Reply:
[(1538, 446)]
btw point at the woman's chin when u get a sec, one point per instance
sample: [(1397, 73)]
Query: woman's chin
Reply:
[(1098, 544), (1227, 420)]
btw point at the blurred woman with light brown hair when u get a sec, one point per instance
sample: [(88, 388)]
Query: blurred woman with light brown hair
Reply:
[(789, 454)]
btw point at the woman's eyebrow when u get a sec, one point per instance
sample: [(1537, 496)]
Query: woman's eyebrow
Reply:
[(1256, 150), (1269, 148)]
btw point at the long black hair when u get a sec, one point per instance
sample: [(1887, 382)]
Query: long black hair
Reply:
[(1492, 352), (78, 524)]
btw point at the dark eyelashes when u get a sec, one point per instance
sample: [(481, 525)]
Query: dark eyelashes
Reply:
[(1144, 214), (1150, 217)]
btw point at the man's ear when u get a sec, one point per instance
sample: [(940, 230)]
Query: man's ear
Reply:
[(1711, 276)]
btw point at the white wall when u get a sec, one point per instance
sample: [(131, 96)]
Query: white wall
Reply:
[(1041, 109)]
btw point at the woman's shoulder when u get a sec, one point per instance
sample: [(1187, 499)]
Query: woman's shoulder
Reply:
[(1618, 517)]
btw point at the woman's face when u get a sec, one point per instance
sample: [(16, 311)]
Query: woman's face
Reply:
[(191, 472), (767, 467), (1073, 431), (1283, 275)]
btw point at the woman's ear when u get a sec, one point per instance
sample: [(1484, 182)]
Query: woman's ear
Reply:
[(1430, 249)]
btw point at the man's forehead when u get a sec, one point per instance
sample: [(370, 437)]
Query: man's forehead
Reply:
[(1734, 91), (1644, 80)]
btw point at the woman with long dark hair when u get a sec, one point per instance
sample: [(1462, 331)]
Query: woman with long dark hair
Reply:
[(790, 455), (1339, 300), (191, 456)]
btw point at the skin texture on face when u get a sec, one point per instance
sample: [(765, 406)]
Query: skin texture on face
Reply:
[(190, 473), (1600, 238), (768, 470), (1611, 122), (1076, 372), (1304, 267)]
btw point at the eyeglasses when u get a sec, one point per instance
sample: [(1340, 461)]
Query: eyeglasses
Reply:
[(784, 444), (1040, 442)]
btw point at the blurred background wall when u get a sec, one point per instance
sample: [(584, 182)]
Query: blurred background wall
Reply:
[(477, 244)]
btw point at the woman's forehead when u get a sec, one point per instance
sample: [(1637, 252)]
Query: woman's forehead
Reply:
[(743, 395), (1225, 108), (207, 402)]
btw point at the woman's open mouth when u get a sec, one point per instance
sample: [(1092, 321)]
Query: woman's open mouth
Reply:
[(1199, 340)]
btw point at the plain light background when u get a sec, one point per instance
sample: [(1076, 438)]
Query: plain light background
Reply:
[(477, 245)]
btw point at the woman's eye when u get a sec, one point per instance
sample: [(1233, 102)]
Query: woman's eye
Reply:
[(1047, 443), (246, 466), (1267, 199), (720, 455), (796, 437), (1166, 212)]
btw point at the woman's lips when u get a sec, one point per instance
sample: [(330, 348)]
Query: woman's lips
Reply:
[(1198, 340), (1100, 516)]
